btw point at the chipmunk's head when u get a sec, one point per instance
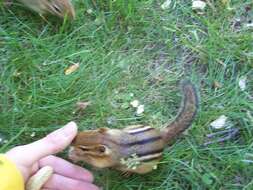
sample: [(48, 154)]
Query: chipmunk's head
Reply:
[(60, 8), (96, 147)]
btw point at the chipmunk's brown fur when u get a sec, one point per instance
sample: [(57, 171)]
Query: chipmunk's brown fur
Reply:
[(136, 149)]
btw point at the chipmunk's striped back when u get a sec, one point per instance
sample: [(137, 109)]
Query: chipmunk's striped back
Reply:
[(144, 141)]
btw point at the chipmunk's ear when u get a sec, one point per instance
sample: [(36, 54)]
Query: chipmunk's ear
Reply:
[(103, 130)]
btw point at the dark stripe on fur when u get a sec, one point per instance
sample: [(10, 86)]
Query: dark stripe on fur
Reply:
[(150, 152), (142, 142)]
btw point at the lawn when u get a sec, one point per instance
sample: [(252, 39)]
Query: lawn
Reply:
[(131, 50)]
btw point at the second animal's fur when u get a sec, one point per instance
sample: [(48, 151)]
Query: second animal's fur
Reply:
[(60, 8)]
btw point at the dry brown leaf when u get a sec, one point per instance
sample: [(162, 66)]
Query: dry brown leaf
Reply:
[(82, 105), (71, 69), (217, 84)]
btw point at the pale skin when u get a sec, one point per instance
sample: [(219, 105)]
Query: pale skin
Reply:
[(31, 157)]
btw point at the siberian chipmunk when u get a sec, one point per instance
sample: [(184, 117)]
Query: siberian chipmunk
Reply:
[(134, 149), (60, 8)]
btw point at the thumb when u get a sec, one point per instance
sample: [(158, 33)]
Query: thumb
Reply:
[(51, 144)]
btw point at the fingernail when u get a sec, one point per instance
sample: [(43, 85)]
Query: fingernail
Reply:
[(69, 129)]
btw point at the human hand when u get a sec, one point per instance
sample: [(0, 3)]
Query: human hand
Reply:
[(30, 158)]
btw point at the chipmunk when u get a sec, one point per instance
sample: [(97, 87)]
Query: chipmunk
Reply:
[(60, 8), (137, 148)]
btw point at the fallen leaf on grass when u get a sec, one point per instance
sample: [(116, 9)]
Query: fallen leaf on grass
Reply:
[(217, 84), (71, 69), (82, 105)]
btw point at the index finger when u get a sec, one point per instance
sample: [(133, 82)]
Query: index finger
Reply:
[(51, 144)]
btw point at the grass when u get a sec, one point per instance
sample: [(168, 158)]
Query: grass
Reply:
[(126, 47)]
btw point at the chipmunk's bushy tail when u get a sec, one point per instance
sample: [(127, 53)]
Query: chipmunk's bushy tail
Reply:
[(187, 113)]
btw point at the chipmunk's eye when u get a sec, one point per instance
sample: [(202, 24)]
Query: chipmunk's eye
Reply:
[(56, 8), (83, 148), (101, 149)]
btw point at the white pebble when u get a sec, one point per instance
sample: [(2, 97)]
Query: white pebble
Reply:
[(140, 109), (135, 103), (33, 134), (198, 5), (220, 122), (89, 11), (242, 83)]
